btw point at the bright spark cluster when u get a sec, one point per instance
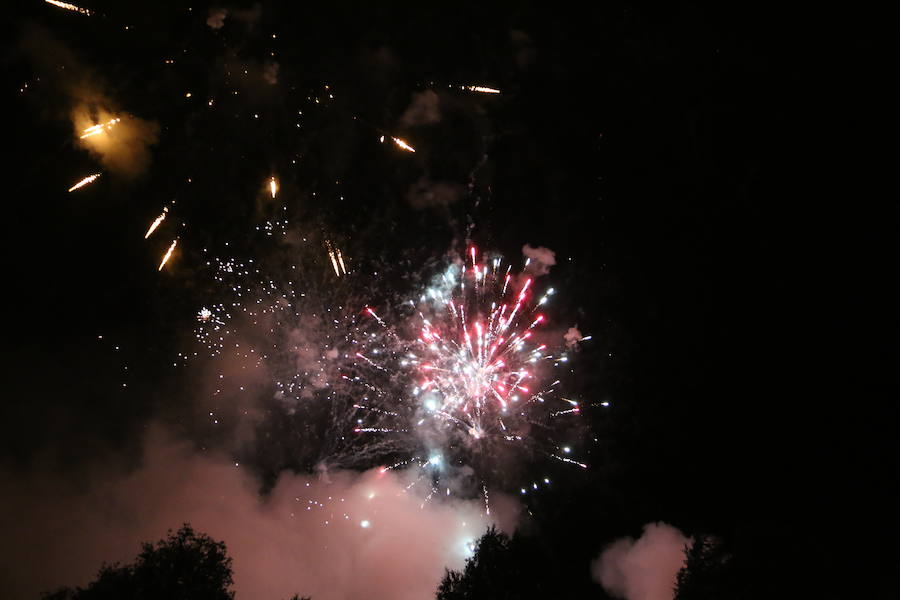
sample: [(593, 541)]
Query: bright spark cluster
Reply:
[(474, 364)]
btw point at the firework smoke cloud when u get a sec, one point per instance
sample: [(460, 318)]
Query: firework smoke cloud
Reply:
[(540, 259), (643, 569)]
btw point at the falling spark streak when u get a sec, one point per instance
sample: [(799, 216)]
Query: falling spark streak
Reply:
[(569, 460), (99, 128), (273, 186), (334, 256), (68, 6), (334, 263), (156, 222), (480, 88), (403, 144), (168, 254), (341, 261), (84, 182)]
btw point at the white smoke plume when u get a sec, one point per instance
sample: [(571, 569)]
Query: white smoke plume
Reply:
[(346, 536), (642, 569), (541, 259), (424, 109)]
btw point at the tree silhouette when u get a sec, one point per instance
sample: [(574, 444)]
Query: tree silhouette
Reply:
[(708, 573), (501, 568), (486, 571), (185, 566)]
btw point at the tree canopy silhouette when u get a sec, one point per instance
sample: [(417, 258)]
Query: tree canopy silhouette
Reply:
[(501, 568), (709, 572), (185, 566)]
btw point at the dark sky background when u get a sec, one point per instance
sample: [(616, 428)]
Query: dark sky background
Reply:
[(737, 282)]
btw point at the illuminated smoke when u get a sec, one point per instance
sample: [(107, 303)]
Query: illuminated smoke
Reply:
[(350, 536), (121, 143), (540, 259), (642, 569)]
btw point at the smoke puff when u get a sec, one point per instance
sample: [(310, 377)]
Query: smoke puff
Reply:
[(423, 110), (541, 259), (345, 536), (124, 148), (216, 18), (572, 337), (642, 569), (270, 73)]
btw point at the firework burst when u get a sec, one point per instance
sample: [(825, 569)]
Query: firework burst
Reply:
[(475, 383), (460, 380)]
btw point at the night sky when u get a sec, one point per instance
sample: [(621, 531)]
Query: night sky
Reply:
[(717, 230)]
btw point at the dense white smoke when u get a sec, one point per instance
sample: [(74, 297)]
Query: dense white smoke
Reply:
[(341, 535), (642, 569)]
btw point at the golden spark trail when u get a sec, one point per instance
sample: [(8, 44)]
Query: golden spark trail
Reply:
[(341, 260), (168, 254), (403, 144), (334, 263), (156, 222), (480, 88), (68, 6), (98, 128), (84, 182), (273, 186)]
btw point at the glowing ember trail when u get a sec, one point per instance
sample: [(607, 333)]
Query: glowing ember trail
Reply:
[(481, 89), (99, 128), (337, 260), (168, 254), (403, 144), (68, 6), (273, 186), (84, 182), (156, 222)]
